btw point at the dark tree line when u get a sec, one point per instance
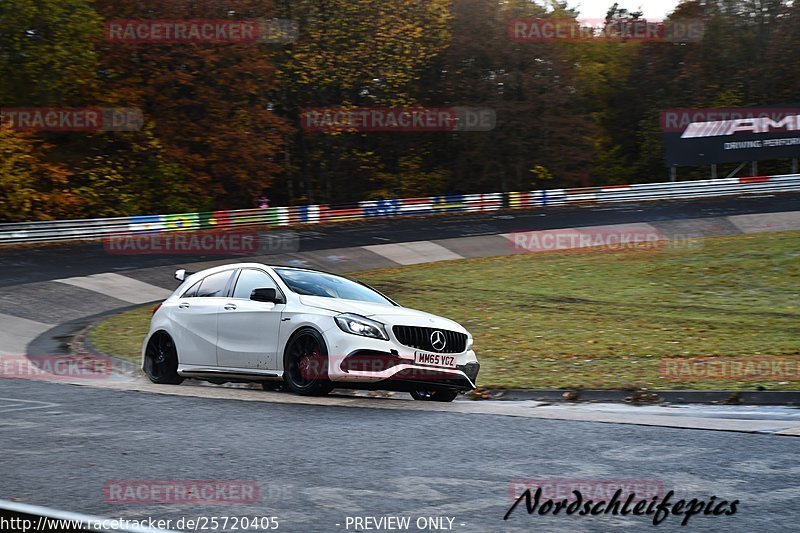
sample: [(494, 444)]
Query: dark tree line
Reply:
[(222, 119)]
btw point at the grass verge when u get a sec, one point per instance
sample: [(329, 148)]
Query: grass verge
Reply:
[(122, 335), (584, 319)]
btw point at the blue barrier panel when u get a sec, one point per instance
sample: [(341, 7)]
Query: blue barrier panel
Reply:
[(146, 224), (381, 208)]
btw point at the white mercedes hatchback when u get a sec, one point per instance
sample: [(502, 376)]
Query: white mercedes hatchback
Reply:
[(306, 330)]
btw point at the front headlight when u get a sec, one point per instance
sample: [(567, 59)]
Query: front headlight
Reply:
[(469, 342), (359, 325)]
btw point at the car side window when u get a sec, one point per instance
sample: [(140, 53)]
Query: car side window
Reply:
[(251, 279), (214, 285), (192, 292)]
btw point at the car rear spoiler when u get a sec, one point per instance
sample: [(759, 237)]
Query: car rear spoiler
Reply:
[(181, 274)]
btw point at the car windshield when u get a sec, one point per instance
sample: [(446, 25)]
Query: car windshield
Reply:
[(309, 283)]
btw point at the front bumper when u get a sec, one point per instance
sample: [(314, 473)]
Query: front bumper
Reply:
[(395, 369), (414, 378)]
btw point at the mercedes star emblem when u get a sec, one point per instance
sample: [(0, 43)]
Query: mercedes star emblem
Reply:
[(438, 341)]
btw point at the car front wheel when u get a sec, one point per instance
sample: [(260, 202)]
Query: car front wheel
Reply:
[(305, 364), (161, 360), (434, 395)]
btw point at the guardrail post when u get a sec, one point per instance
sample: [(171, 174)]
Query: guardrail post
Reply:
[(673, 173)]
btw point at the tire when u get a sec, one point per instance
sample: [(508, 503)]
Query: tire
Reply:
[(161, 360), (434, 395), (305, 364)]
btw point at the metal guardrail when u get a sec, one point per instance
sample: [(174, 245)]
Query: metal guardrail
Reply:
[(63, 230)]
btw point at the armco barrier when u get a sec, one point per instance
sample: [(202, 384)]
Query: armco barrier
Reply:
[(62, 230)]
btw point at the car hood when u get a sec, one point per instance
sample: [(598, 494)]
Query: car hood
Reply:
[(388, 314)]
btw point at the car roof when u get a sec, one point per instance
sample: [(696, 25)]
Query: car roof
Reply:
[(260, 265)]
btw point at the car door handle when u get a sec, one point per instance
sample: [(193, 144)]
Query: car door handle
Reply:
[(184, 305), (230, 307)]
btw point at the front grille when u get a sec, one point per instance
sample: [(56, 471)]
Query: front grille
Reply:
[(420, 338)]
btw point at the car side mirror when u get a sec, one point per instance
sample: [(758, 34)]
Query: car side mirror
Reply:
[(266, 295), (182, 274)]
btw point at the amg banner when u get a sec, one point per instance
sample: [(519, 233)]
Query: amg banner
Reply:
[(730, 135)]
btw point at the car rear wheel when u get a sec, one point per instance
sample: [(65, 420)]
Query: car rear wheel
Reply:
[(305, 364), (434, 395), (161, 360)]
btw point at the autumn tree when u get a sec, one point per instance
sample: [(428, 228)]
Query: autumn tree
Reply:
[(359, 53), (30, 187), (46, 52), (222, 119), (210, 104), (532, 86), (48, 60)]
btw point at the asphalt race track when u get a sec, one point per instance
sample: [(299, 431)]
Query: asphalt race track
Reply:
[(319, 463)]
